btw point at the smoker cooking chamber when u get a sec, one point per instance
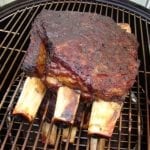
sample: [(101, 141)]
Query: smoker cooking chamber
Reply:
[(132, 128)]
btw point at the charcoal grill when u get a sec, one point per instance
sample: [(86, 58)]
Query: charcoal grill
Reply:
[(132, 129)]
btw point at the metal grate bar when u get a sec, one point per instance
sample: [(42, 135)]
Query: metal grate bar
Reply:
[(21, 46), (14, 60), (130, 123), (62, 6), (96, 8), (9, 107), (58, 139), (80, 130), (17, 136), (7, 31), (123, 21), (27, 136), (119, 132), (112, 12), (41, 124), (88, 144), (145, 75), (68, 138), (19, 52), (109, 144), (101, 8), (49, 133), (139, 119), (117, 15), (148, 92), (138, 91), (7, 134), (148, 35), (143, 50), (129, 21), (11, 83), (55, 8), (73, 7), (12, 18), (129, 112), (13, 35), (68, 6), (83, 7), (106, 12)]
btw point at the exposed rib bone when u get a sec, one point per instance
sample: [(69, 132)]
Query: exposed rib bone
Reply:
[(66, 105), (72, 134), (30, 98), (105, 114), (103, 117), (51, 137), (125, 26), (96, 144)]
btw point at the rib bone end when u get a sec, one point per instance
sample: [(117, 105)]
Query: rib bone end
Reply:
[(66, 105), (30, 98), (103, 118)]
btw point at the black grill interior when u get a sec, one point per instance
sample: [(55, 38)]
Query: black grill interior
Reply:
[(131, 131)]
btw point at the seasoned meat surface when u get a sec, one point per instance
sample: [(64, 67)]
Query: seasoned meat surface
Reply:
[(87, 52)]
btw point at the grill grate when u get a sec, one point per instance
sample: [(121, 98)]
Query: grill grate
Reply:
[(131, 131)]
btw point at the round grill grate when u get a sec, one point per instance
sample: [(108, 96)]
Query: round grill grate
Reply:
[(131, 131)]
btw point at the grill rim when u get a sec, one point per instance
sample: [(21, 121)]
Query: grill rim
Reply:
[(130, 6)]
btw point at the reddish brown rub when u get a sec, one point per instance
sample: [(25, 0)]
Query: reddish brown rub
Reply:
[(83, 51)]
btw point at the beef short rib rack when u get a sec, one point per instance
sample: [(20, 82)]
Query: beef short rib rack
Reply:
[(83, 51), (81, 54)]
